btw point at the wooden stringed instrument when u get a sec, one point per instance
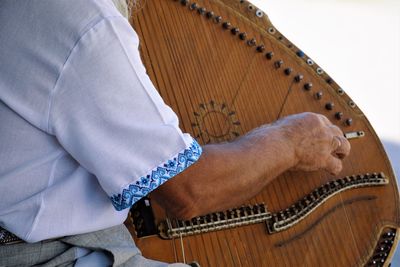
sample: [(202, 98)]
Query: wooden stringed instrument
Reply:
[(225, 69)]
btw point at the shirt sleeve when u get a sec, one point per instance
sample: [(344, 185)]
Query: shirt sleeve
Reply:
[(106, 113)]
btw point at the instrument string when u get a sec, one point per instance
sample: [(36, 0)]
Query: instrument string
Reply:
[(320, 240), (169, 224), (163, 79), (258, 234), (253, 234), (225, 239), (325, 178), (325, 228), (202, 136), (348, 220), (159, 80), (222, 238), (353, 170), (312, 184), (189, 73), (280, 188), (188, 108), (240, 87), (233, 101), (308, 181), (285, 100), (204, 93), (182, 247)]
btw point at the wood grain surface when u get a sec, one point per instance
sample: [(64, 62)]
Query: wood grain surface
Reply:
[(222, 87)]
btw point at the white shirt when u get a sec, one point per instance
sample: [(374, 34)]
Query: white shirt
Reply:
[(83, 132)]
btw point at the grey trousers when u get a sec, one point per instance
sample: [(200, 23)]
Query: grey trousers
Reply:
[(113, 246)]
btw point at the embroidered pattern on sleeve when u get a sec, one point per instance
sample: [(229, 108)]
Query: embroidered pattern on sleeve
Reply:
[(157, 177)]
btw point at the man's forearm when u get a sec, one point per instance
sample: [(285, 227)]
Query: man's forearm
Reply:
[(227, 174)]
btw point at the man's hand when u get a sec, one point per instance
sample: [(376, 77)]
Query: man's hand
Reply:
[(317, 143)]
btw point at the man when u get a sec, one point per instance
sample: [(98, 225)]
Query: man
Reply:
[(84, 135)]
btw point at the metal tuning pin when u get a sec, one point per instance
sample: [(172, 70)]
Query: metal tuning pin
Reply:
[(308, 86), (260, 48), (218, 19), (235, 31), (242, 36), (252, 42), (193, 6), (339, 115), (382, 250), (201, 10), (259, 13), (300, 54), (299, 78), (194, 264), (226, 25), (278, 64), (349, 122), (210, 14), (329, 106), (288, 71), (269, 55), (329, 81), (319, 95)]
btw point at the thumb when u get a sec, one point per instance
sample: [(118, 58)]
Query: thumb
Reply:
[(333, 165)]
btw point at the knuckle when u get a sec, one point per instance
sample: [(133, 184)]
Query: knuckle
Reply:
[(313, 116), (313, 120), (326, 136), (323, 118), (337, 129), (338, 167)]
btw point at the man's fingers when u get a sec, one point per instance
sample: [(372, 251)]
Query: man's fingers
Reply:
[(343, 150), (334, 165), (336, 143), (335, 130), (324, 119)]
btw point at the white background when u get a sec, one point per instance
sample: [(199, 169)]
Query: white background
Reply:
[(358, 44)]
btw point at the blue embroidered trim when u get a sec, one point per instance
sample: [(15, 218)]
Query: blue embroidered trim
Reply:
[(158, 176)]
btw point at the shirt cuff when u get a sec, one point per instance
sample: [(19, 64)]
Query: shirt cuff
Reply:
[(156, 177)]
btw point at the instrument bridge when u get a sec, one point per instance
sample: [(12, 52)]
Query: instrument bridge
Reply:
[(284, 219), (276, 222), (233, 218)]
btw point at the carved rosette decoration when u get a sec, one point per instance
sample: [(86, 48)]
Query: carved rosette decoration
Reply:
[(214, 123)]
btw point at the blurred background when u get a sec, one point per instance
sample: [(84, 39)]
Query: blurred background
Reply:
[(357, 42)]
